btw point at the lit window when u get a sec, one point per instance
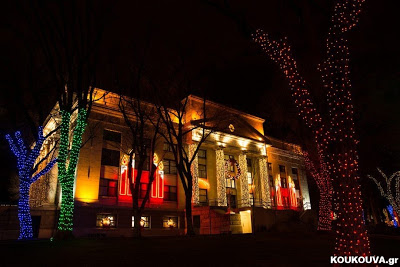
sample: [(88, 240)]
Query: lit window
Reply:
[(282, 171), (144, 222), (249, 178), (230, 183), (106, 220), (170, 222)]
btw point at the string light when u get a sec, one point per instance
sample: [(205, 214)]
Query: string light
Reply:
[(227, 173), (323, 182), (67, 161), (265, 192), (335, 138), (390, 209), (195, 173), (392, 198), (245, 195), (221, 181), (26, 164)]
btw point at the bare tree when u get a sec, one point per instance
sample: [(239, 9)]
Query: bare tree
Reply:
[(390, 192), (178, 135), (144, 130)]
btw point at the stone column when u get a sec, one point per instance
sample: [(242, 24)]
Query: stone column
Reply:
[(265, 191), (194, 168), (221, 182), (244, 185)]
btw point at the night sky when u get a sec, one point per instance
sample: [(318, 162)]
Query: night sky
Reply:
[(222, 63)]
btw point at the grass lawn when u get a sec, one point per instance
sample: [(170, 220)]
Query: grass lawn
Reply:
[(266, 249)]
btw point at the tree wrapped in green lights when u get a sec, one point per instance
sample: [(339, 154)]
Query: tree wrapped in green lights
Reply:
[(70, 49), (28, 165), (67, 162)]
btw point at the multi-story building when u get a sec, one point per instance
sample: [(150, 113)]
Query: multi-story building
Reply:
[(242, 179)]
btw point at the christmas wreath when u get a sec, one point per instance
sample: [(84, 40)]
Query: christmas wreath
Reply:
[(227, 173)]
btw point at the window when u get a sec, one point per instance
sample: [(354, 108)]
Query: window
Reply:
[(271, 181), (203, 199), (249, 164), (170, 222), (251, 199), (170, 193), (144, 222), (111, 136), (167, 147), (203, 171), (249, 172), (169, 166), (272, 188), (230, 159), (249, 178), (283, 182), (106, 220), (202, 153), (108, 187), (269, 166), (110, 157), (230, 183), (282, 171), (295, 178)]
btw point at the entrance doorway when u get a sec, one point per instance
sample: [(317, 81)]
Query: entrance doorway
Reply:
[(245, 217)]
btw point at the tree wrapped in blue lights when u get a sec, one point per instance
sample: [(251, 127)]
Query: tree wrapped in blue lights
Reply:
[(27, 174)]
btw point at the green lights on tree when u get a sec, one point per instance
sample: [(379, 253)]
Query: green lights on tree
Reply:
[(67, 162)]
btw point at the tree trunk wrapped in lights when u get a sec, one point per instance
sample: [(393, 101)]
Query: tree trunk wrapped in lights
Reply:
[(323, 181), (67, 162), (334, 133), (392, 197), (26, 172)]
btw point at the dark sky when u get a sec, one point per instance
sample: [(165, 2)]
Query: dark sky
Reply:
[(224, 63)]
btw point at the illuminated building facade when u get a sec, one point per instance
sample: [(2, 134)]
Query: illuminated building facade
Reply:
[(242, 178)]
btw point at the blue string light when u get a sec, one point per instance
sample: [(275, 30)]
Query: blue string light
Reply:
[(390, 209), (25, 165)]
